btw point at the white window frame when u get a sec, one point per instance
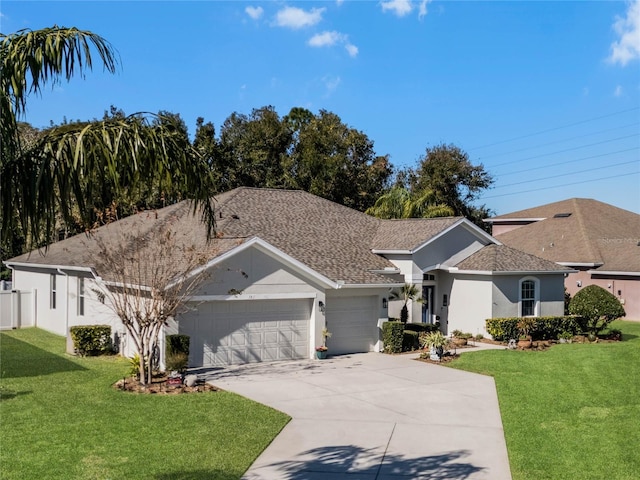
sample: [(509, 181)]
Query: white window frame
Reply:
[(81, 296), (536, 296), (53, 290)]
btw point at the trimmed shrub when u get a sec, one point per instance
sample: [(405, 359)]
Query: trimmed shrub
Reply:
[(177, 352), (421, 327), (542, 328), (597, 306), (410, 340), (91, 339), (392, 336)]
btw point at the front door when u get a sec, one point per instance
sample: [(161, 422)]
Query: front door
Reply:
[(427, 303)]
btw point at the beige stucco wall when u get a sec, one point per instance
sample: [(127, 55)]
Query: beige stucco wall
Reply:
[(469, 303), (625, 288)]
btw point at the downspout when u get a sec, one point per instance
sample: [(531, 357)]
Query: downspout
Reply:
[(66, 311)]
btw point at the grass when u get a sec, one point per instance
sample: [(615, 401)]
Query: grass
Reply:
[(572, 411), (60, 418)]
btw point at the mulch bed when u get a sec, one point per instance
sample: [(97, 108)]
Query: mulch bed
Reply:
[(160, 386), (445, 359)]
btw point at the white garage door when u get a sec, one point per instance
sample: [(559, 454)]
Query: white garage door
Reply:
[(237, 332), (353, 323)]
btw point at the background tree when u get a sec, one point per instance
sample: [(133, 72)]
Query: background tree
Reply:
[(337, 162), (42, 181), (253, 148), (597, 307), (446, 172), (145, 287), (398, 202)]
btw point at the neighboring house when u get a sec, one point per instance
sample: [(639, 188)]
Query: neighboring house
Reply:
[(285, 264), (600, 241)]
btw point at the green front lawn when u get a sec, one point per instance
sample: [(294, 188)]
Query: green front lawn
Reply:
[(571, 412), (60, 418)]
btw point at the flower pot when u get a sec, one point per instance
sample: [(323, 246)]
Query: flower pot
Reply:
[(321, 355), (524, 344)]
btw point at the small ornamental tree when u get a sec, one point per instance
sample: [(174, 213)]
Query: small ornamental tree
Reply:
[(597, 307), (407, 292), (150, 266)]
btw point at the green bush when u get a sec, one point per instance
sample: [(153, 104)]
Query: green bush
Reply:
[(410, 340), (542, 328), (91, 339), (177, 352), (392, 336), (421, 327), (177, 361), (597, 306)]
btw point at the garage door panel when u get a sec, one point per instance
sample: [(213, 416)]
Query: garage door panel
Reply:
[(353, 324), (236, 332)]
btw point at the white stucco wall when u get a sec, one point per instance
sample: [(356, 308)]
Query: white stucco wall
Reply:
[(470, 303)]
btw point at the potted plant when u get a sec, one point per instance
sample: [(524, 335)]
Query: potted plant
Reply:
[(565, 337), (436, 342), (321, 351), (525, 325), (460, 338)]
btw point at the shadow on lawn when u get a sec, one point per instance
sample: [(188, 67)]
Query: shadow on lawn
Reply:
[(197, 475), (22, 359), (349, 461)]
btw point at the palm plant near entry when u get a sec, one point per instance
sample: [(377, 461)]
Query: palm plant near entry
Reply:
[(405, 293), (72, 164)]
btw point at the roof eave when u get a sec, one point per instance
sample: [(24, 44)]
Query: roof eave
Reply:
[(613, 272), (512, 272)]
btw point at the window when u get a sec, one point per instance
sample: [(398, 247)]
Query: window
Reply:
[(52, 291), (80, 296), (529, 297)]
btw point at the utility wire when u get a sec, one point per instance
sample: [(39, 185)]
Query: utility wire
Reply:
[(567, 174), (568, 161), (636, 124), (556, 128), (566, 150), (562, 185)]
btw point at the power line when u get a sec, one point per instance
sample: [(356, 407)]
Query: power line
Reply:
[(555, 128), (636, 124), (568, 161), (566, 150), (567, 174), (563, 185)]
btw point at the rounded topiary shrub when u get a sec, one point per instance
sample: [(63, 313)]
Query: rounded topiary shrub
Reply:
[(597, 307)]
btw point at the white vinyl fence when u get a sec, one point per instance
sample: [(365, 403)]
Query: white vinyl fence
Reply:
[(17, 309)]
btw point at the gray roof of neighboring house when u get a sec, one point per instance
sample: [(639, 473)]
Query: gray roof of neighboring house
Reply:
[(593, 233), (331, 239), (500, 258)]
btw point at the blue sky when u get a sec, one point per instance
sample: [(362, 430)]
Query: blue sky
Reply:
[(546, 95)]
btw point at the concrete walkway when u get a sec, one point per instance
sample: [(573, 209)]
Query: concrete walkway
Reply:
[(374, 416)]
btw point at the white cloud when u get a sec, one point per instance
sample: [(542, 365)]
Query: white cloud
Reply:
[(339, 2), (618, 91), (399, 7), (332, 38), (351, 49), (422, 10), (627, 48), (331, 84), (254, 12), (293, 17), (326, 39)]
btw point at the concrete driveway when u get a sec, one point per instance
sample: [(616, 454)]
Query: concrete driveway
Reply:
[(375, 416)]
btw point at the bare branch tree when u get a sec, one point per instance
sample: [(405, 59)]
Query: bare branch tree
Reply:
[(149, 269)]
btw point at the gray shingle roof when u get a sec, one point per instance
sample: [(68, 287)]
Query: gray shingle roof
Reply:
[(500, 258), (595, 232), (410, 233), (329, 238)]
